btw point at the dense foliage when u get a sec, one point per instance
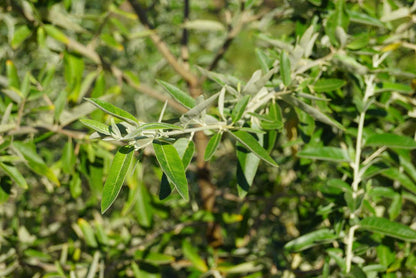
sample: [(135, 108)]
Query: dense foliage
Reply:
[(193, 138)]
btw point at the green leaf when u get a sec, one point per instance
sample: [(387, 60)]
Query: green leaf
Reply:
[(88, 233), (179, 95), (56, 33), (247, 166), (5, 188), (388, 228), (285, 68), (75, 185), (191, 253), (12, 76), (35, 162), (251, 144), (154, 258), (363, 18), (13, 173), (312, 111), (396, 175), (68, 157), (116, 176), (391, 140), (239, 108), (186, 149), (113, 110), (311, 239), (328, 85), (198, 109), (395, 206), (21, 34), (97, 126), (325, 153), (212, 145), (171, 164)]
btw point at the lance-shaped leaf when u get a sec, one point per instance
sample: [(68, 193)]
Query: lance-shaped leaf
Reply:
[(35, 162), (116, 176), (391, 140), (285, 68), (239, 108), (12, 172), (388, 228), (198, 109), (96, 125), (191, 253), (113, 110), (186, 150), (179, 95), (251, 144), (212, 145), (325, 153), (171, 164), (328, 85), (247, 166), (315, 113), (311, 239)]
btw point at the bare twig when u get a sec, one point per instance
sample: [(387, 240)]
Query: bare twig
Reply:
[(162, 47), (185, 36)]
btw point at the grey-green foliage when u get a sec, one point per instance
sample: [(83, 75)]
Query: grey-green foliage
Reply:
[(310, 120)]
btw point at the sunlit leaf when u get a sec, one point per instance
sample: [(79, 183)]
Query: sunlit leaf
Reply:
[(212, 145), (191, 253), (35, 162), (171, 164), (391, 140), (14, 173), (179, 95), (388, 228), (285, 68), (325, 153), (116, 176), (311, 239), (327, 85), (251, 144), (113, 110), (239, 108)]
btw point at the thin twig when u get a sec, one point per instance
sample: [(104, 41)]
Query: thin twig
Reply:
[(161, 46), (185, 36)]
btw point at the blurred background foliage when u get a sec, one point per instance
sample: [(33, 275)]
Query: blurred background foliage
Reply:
[(53, 53)]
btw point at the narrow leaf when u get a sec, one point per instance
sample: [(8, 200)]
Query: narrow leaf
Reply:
[(310, 240), (116, 176), (191, 253), (251, 144), (396, 175), (247, 166), (97, 126), (198, 109), (179, 95), (21, 34), (12, 76), (315, 113), (212, 145), (388, 228), (285, 68), (328, 85), (35, 162), (13, 173), (113, 110), (239, 108), (56, 33), (171, 164), (391, 140), (325, 153)]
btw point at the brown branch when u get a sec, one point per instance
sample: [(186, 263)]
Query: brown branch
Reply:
[(161, 46), (185, 36)]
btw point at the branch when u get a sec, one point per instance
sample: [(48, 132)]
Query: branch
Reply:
[(162, 47), (146, 89), (185, 36)]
